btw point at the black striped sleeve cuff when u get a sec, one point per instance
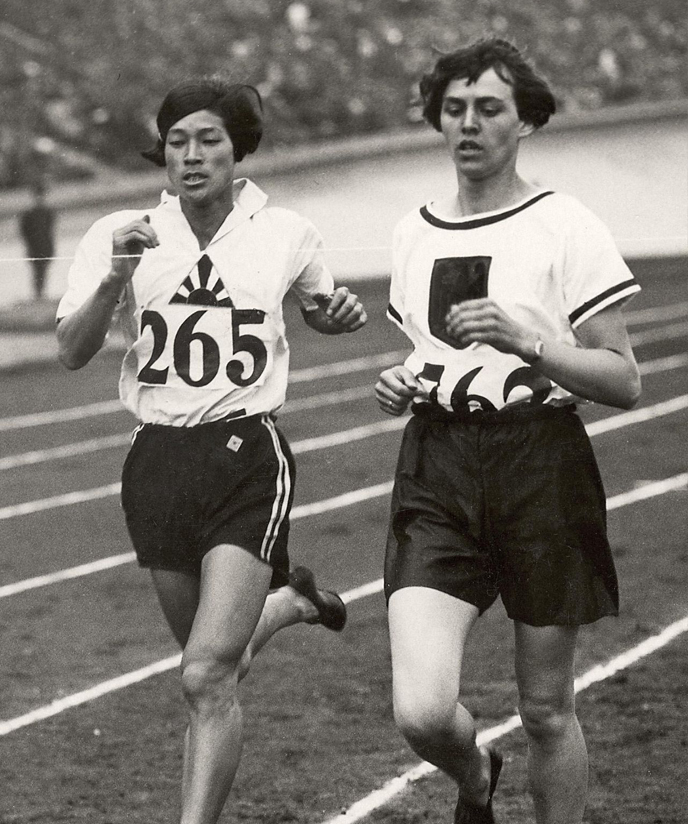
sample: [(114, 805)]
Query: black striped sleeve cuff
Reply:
[(394, 316), (615, 294)]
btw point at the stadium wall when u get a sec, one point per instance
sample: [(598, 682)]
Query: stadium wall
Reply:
[(628, 164)]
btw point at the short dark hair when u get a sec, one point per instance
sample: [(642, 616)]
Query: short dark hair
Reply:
[(532, 95), (239, 106)]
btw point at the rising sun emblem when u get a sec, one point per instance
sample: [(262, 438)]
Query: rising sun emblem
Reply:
[(203, 287)]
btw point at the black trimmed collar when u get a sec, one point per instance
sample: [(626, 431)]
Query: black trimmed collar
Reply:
[(426, 214)]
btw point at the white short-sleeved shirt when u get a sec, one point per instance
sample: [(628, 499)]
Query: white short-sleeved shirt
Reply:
[(204, 329), (548, 262)]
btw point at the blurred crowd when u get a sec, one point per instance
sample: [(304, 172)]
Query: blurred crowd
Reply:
[(80, 82)]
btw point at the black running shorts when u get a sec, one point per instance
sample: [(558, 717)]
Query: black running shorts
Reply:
[(504, 504), (186, 490)]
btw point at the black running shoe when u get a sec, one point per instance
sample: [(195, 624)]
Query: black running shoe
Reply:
[(331, 608), (467, 813)]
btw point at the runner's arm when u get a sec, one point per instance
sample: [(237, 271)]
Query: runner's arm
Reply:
[(603, 369), (81, 334)]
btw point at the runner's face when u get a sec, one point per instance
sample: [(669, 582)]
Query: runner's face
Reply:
[(481, 126), (200, 158)]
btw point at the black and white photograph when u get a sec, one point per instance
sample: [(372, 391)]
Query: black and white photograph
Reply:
[(343, 465)]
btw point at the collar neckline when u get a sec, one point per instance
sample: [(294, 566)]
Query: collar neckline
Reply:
[(482, 218), (248, 199)]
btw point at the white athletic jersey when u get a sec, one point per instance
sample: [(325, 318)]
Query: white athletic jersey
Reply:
[(204, 329), (548, 262)]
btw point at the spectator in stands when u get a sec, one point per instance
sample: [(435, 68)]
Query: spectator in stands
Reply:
[(37, 227)]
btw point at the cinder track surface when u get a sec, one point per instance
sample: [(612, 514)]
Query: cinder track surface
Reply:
[(319, 731)]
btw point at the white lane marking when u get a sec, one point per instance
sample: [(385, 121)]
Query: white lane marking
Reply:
[(597, 673), (330, 370), (663, 364), (675, 330), (357, 433), (297, 376), (68, 450), (74, 413), (376, 799), (75, 448), (83, 697), (371, 588), (68, 499), (656, 314), (645, 413), (356, 393), (300, 404), (67, 574), (303, 511), (649, 490), (595, 428)]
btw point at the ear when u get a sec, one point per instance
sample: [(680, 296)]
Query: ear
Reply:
[(525, 129)]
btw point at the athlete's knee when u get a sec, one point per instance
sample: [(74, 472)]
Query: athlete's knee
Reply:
[(426, 723), (209, 679), (547, 717)]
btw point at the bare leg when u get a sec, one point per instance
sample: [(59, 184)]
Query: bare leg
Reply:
[(428, 632), (284, 607), (178, 594), (233, 589), (557, 756), (216, 621)]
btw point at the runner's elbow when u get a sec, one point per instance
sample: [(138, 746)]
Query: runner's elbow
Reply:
[(629, 394)]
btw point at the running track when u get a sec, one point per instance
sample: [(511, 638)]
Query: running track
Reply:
[(64, 438)]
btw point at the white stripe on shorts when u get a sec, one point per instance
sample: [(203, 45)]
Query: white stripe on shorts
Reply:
[(282, 492)]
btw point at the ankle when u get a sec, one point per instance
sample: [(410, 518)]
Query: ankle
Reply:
[(301, 610), (477, 788)]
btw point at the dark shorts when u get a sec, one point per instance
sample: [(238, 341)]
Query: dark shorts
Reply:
[(506, 504), (186, 490)]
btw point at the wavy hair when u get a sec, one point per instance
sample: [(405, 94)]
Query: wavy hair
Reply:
[(534, 100)]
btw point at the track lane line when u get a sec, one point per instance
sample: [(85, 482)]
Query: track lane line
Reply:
[(109, 407), (670, 332), (297, 376), (120, 682), (306, 445), (76, 448), (303, 511), (338, 439), (92, 445), (657, 365), (601, 672), (656, 314)]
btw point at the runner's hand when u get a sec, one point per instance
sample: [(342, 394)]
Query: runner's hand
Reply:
[(483, 321), (131, 239), (343, 309), (395, 389)]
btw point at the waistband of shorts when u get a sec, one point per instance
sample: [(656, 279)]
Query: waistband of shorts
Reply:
[(234, 417), (508, 414)]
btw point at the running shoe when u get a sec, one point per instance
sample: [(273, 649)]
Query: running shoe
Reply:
[(467, 813), (331, 608)]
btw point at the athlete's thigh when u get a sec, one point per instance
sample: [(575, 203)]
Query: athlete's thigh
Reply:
[(178, 594), (233, 588), (428, 631), (545, 659)]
